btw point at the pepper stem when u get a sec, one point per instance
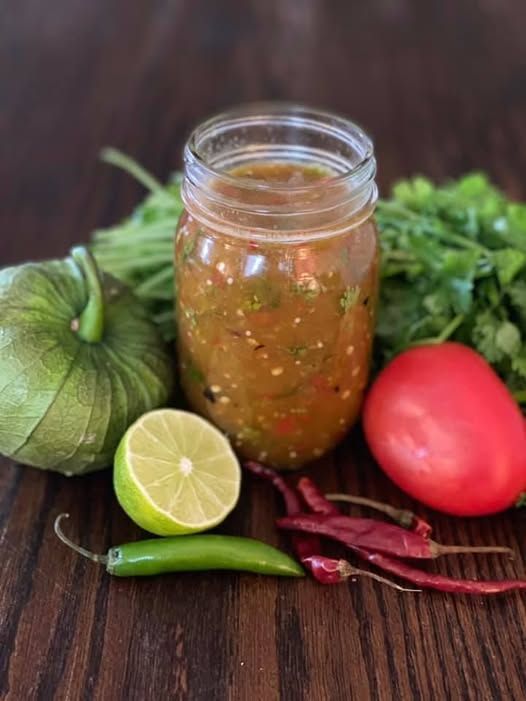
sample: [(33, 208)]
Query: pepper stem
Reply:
[(403, 517), (103, 559), (90, 324), (438, 549), (347, 570)]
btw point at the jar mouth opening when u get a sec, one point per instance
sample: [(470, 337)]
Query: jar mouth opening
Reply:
[(281, 131)]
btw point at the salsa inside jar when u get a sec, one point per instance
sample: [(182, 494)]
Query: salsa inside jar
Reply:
[(275, 337)]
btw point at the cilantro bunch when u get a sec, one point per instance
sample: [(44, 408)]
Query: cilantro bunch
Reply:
[(139, 250), (454, 267)]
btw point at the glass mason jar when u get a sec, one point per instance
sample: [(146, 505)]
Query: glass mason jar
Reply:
[(277, 277)]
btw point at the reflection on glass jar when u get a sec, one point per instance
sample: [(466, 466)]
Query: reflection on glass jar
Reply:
[(276, 260)]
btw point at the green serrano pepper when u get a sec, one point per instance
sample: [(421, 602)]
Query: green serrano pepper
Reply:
[(189, 553)]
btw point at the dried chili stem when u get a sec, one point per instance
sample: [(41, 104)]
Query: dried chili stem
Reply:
[(439, 582), (439, 549), (347, 570), (404, 517)]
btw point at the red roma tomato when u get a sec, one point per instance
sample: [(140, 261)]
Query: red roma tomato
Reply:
[(446, 430)]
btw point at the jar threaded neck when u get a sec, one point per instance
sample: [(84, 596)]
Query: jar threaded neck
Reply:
[(277, 132)]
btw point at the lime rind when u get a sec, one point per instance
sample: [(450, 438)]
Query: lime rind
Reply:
[(175, 473)]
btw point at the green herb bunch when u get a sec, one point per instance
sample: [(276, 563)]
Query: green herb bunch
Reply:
[(139, 250), (454, 267)]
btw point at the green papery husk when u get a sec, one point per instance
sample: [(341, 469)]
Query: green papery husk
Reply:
[(65, 402)]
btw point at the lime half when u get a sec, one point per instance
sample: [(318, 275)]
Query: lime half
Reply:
[(176, 473)]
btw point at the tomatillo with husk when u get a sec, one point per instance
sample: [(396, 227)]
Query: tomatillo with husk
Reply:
[(80, 360)]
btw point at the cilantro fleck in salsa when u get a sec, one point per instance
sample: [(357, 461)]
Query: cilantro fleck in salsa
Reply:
[(277, 269)]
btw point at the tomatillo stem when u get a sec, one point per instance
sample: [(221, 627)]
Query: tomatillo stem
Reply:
[(90, 324)]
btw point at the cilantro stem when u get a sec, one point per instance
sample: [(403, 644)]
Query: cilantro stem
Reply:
[(121, 160), (142, 252), (119, 267), (158, 280), (125, 235), (165, 316), (391, 270), (443, 336), (450, 329), (436, 228), (399, 255)]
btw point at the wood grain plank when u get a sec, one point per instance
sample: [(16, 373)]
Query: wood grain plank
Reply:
[(440, 85)]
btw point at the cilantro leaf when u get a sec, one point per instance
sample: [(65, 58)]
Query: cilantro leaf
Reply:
[(349, 298), (508, 338), (508, 263), (517, 297)]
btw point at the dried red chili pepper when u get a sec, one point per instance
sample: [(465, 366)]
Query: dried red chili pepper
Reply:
[(418, 525), (330, 571), (315, 499), (307, 548), (378, 536), (413, 574), (404, 517), (438, 581), (325, 570), (292, 501)]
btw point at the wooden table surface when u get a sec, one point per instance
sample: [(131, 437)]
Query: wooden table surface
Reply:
[(441, 85)]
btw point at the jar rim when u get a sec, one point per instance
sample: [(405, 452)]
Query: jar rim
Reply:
[(353, 175)]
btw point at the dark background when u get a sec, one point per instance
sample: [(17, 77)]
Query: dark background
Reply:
[(440, 85)]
